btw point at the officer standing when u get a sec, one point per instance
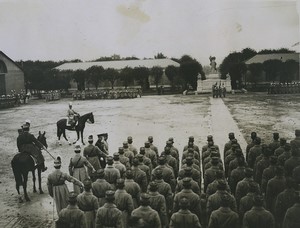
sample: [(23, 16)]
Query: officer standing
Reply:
[(71, 216), (111, 173), (132, 188), (57, 188)]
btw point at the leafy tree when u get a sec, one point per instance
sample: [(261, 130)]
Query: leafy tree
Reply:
[(273, 69), (171, 72), (160, 56), (126, 76), (189, 70), (290, 71), (255, 72), (271, 51), (141, 74), (94, 75), (79, 77), (157, 73), (112, 75)]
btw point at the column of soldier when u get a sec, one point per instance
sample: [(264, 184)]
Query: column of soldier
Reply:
[(284, 88), (145, 189)]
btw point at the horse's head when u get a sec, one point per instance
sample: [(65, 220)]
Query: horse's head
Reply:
[(90, 118), (42, 138)]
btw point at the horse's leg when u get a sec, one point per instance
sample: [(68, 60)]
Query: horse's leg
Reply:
[(64, 134), (82, 137), (34, 179), (77, 137), (40, 179), (18, 190), (25, 178), (59, 132)]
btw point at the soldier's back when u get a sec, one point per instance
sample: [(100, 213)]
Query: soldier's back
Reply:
[(109, 216), (258, 217), (71, 216), (225, 218), (184, 219)]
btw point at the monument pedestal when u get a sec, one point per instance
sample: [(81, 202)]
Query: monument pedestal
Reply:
[(205, 86)]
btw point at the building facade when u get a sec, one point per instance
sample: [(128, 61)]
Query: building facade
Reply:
[(11, 76)]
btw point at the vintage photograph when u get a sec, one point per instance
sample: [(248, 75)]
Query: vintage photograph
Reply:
[(149, 114)]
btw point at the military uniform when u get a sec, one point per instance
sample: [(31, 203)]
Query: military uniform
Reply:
[(165, 189), (292, 218), (124, 160), (77, 169), (185, 154), (223, 217), (284, 201), (132, 148), (124, 203), (184, 219), (134, 190), (88, 203), (99, 187), (210, 176), (258, 217), (168, 175), (290, 164), (121, 167), (236, 175), (274, 187), (129, 154), (148, 215), (140, 178), (242, 188), (71, 216), (194, 186), (254, 152), (259, 169), (158, 203), (146, 169), (109, 216), (246, 203), (58, 189), (267, 175), (274, 145), (171, 161), (212, 187), (214, 202), (279, 151), (111, 175), (196, 175), (93, 154), (284, 157), (152, 155), (249, 146)]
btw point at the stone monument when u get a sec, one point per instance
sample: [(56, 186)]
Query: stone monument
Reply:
[(213, 78)]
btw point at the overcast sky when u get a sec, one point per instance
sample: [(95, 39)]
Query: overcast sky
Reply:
[(71, 29)]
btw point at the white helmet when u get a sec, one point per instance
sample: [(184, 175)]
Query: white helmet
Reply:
[(27, 121), (70, 104)]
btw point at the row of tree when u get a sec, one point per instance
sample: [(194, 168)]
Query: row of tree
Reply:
[(42, 75), (234, 65)]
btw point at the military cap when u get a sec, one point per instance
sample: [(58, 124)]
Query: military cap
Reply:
[(109, 194), (150, 137), (145, 197), (231, 134), (77, 148), (142, 148), (25, 126), (171, 139), (282, 140), (129, 138), (109, 158), (87, 183), (153, 185), (101, 135), (191, 138), (20, 130), (125, 143), (116, 154), (139, 156), (183, 201), (169, 142), (209, 138), (57, 162), (275, 134), (147, 143), (27, 121), (189, 158), (188, 169), (120, 181), (135, 161), (249, 171), (214, 154), (100, 172), (273, 159), (72, 197), (253, 133), (257, 140), (90, 138), (162, 158), (121, 149), (222, 184), (186, 180)]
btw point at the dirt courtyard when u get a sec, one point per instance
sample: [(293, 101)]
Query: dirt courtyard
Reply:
[(162, 117)]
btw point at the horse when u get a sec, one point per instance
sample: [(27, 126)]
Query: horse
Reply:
[(62, 127), (21, 164)]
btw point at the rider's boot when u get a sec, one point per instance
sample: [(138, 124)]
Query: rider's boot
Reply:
[(44, 168)]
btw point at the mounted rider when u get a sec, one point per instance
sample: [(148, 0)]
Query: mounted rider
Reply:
[(27, 143), (72, 116)]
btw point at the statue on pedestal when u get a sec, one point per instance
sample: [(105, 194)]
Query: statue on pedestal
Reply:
[(213, 64)]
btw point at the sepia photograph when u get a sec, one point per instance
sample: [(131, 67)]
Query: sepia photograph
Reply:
[(149, 114)]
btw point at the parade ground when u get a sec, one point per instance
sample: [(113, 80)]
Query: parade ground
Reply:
[(162, 117)]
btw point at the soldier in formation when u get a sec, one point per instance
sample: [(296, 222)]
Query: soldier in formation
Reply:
[(260, 190)]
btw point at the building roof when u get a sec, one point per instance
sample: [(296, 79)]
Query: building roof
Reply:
[(118, 65), (260, 58), (3, 54)]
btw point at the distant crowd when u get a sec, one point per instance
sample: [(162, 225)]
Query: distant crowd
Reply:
[(14, 99), (284, 88), (107, 94)]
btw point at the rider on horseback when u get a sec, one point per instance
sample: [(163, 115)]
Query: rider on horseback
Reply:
[(72, 116), (27, 143)]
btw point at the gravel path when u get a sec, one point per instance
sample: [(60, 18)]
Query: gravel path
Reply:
[(222, 123)]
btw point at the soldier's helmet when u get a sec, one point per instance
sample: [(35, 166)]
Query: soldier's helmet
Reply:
[(72, 197), (110, 195)]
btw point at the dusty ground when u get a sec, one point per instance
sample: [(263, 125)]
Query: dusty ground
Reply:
[(160, 116)]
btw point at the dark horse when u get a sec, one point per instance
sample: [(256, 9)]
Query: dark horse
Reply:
[(21, 164), (62, 127)]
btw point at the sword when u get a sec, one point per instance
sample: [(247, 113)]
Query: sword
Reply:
[(44, 148)]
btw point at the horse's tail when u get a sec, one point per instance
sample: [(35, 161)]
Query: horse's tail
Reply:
[(17, 173), (58, 130)]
